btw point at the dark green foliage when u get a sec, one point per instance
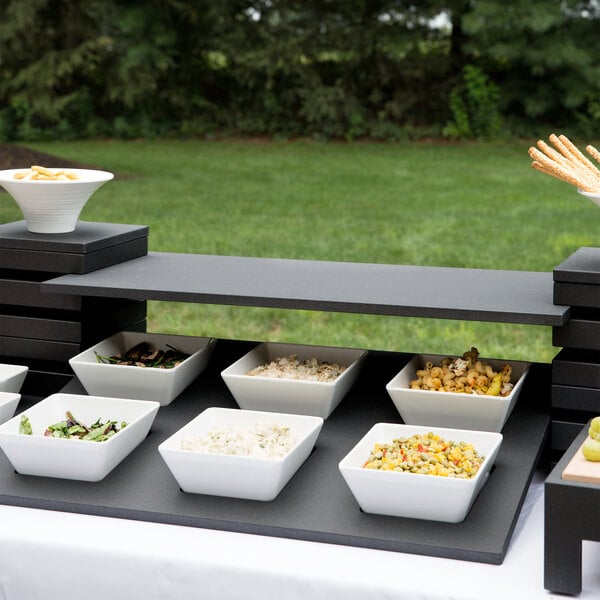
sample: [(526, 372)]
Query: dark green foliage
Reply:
[(474, 106), (325, 68), (542, 54)]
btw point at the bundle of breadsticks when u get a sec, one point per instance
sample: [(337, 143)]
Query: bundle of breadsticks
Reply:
[(567, 163)]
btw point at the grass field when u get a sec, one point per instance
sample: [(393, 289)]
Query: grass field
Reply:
[(476, 205)]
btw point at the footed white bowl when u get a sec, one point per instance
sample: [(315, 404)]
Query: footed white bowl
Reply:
[(593, 196), (53, 206)]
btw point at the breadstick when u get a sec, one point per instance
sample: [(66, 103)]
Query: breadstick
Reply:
[(560, 146), (559, 173), (577, 153), (567, 163), (593, 152), (552, 153)]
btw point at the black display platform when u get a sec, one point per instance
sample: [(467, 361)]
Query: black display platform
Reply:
[(583, 266), (89, 247), (316, 504), (572, 514)]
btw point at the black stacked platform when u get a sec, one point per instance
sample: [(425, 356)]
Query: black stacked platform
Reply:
[(43, 330), (576, 369), (571, 507), (571, 516)]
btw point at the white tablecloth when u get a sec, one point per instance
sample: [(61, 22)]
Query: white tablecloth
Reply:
[(48, 554)]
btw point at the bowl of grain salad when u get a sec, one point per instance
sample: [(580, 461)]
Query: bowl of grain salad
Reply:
[(417, 472), (293, 378), (238, 453)]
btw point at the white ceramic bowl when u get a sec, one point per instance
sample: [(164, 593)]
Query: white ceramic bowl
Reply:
[(53, 206), (415, 496), (75, 459), (141, 383), (594, 197), (12, 377), (255, 392), (8, 405), (452, 409), (232, 475)]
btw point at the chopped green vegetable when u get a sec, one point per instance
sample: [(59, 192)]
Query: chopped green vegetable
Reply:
[(72, 429), (25, 425)]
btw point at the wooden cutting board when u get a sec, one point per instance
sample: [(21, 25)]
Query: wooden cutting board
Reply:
[(580, 469)]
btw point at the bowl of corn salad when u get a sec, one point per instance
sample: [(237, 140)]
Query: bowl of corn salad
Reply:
[(293, 378), (419, 472)]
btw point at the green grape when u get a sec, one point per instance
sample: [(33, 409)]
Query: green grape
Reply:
[(594, 430), (591, 449)]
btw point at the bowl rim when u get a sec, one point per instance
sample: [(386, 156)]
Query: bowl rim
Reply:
[(8, 397), (595, 195), (180, 433), (78, 360), (519, 382), (227, 372), (497, 438), (94, 176), (151, 405), (10, 367)]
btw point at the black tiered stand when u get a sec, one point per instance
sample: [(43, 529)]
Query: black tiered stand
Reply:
[(573, 508), (309, 507)]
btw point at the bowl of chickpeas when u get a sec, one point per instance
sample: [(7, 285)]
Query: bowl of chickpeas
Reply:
[(466, 392), (51, 200)]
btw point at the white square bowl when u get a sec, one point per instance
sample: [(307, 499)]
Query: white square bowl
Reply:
[(8, 405), (12, 377), (75, 459), (237, 476), (411, 495), (453, 409), (294, 396), (141, 383)]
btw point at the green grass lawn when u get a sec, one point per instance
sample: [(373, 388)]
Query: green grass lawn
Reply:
[(476, 205)]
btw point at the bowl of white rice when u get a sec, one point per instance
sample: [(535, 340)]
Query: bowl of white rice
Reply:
[(239, 453)]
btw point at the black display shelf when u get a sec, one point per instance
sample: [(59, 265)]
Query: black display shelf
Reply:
[(447, 293), (316, 504)]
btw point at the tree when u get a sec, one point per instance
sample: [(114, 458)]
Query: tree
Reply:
[(334, 68), (543, 56)]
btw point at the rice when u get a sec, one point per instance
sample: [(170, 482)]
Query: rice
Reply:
[(260, 440)]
